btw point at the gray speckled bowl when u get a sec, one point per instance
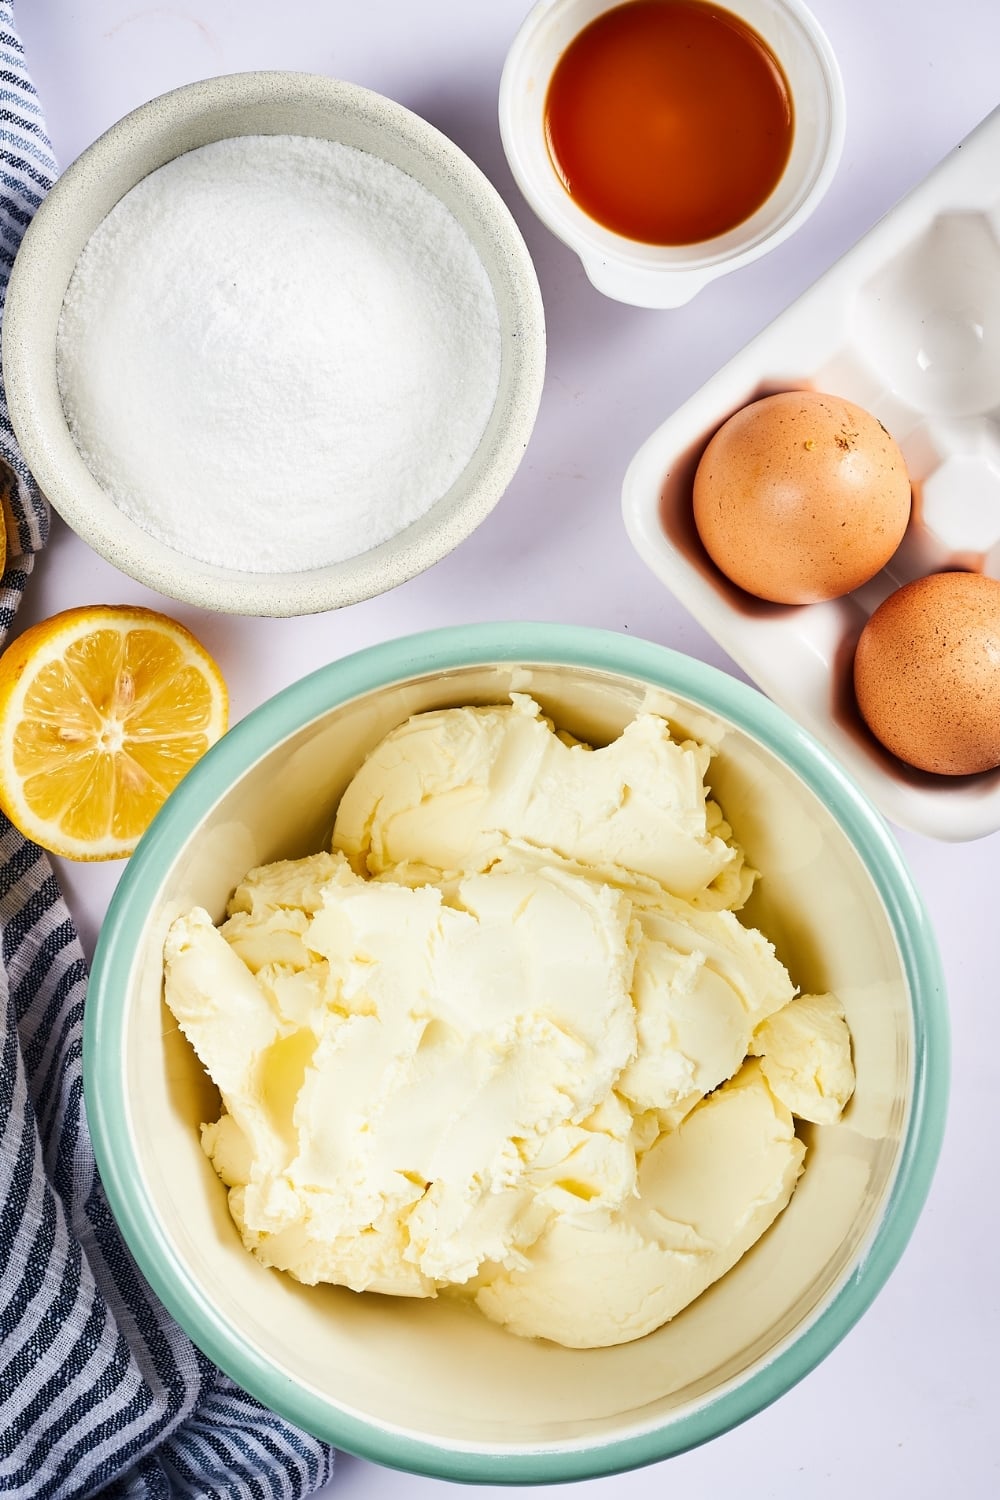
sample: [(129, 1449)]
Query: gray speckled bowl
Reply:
[(192, 116)]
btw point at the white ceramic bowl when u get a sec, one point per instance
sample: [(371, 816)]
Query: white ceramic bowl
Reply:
[(192, 116), (667, 276), (432, 1386)]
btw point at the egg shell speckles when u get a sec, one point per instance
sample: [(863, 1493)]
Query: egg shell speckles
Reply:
[(927, 673), (801, 497)]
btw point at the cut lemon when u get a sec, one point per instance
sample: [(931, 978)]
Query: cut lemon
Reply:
[(8, 526), (102, 710)]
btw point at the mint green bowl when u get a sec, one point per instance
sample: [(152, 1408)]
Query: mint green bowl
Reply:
[(430, 1386)]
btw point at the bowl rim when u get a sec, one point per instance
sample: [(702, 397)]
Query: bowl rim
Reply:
[(66, 481), (438, 651)]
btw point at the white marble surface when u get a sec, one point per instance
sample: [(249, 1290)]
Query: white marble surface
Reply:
[(906, 1405)]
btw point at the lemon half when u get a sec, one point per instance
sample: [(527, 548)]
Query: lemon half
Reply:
[(103, 709)]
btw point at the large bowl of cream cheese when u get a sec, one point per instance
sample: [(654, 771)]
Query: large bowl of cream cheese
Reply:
[(534, 1313)]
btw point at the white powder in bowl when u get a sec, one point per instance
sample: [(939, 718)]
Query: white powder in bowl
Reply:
[(276, 352)]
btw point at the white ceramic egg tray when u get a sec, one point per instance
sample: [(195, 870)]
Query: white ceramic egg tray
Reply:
[(907, 325)]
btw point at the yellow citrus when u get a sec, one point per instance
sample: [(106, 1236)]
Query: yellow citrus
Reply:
[(8, 526), (103, 709)]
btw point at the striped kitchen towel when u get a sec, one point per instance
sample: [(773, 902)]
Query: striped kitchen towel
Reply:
[(100, 1391)]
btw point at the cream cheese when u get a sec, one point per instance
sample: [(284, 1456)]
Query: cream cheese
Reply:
[(805, 1053), (448, 790), (496, 1040), (443, 1047), (706, 1192)]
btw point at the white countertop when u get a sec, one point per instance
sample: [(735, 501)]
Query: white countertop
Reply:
[(906, 1405)]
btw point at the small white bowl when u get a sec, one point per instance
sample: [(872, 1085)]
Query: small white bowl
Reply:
[(667, 276), (267, 103), (430, 1385)]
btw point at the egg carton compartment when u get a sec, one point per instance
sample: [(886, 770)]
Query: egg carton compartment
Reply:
[(906, 325)]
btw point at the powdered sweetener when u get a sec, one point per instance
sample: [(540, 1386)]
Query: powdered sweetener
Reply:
[(277, 351)]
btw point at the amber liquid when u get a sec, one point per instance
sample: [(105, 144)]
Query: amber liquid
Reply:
[(669, 121)]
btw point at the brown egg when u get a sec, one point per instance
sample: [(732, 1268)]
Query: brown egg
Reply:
[(927, 673), (801, 496)]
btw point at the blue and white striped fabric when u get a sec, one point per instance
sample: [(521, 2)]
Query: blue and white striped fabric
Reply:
[(100, 1392)]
